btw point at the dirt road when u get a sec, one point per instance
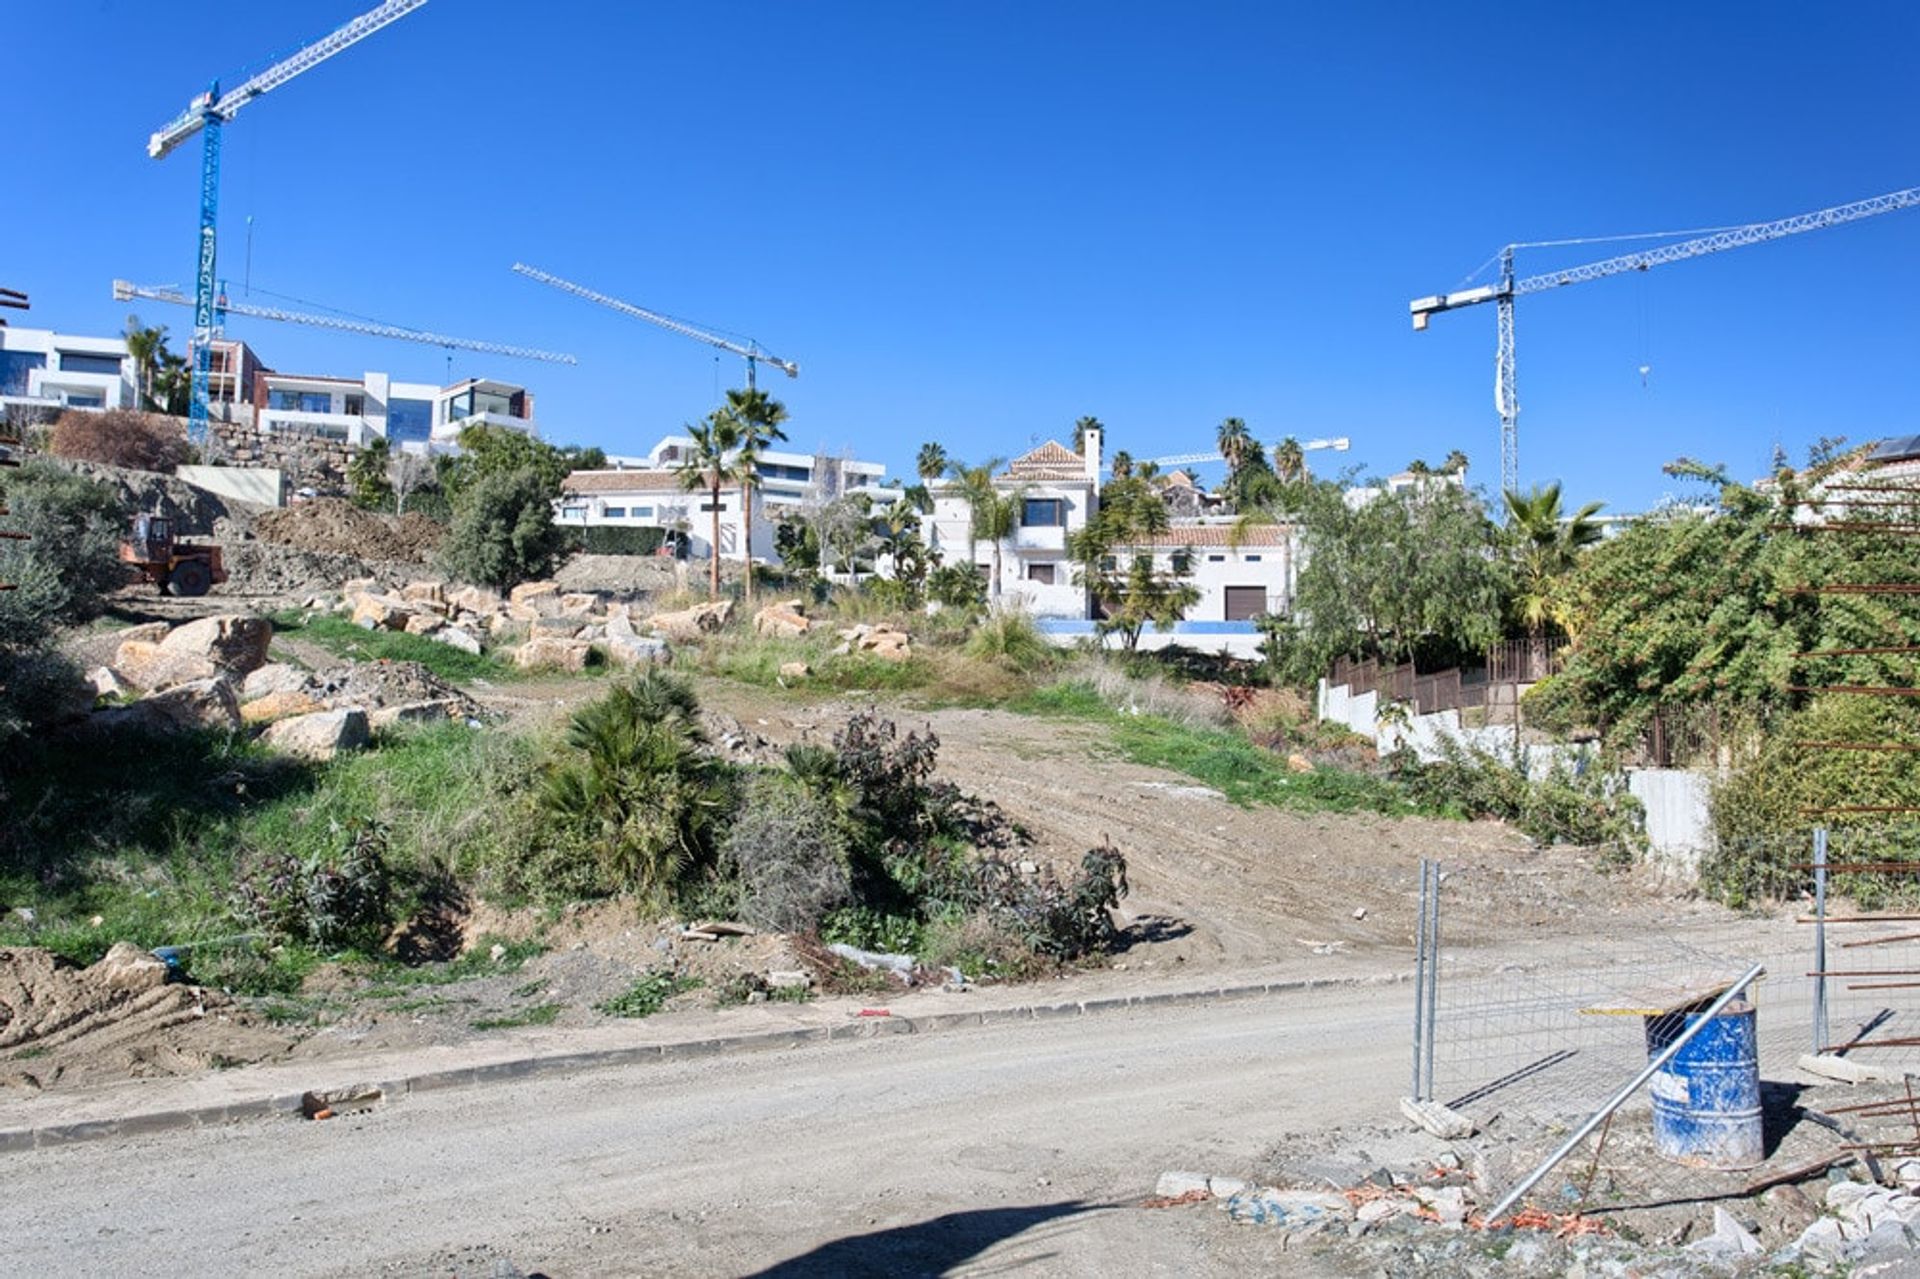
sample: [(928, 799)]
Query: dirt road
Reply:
[(1025, 1147)]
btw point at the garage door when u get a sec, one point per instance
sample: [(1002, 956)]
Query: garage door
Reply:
[(1244, 603)]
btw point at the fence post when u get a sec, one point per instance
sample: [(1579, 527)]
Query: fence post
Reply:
[(1419, 984), (1433, 976), (1820, 1039)]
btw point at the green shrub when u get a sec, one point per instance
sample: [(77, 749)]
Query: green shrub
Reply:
[(648, 995), (958, 586), (1584, 803), (1010, 639), (871, 929), (503, 531), (610, 539), (340, 900), (67, 561), (788, 850)]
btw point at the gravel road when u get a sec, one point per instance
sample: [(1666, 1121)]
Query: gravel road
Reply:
[(1024, 1147)]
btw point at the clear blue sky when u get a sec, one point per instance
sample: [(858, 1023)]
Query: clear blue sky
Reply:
[(975, 222)]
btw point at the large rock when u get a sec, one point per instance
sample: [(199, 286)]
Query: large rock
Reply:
[(439, 710), (106, 682), (232, 642), (380, 612), (783, 619), (274, 677), (456, 637), (424, 624), (542, 597), (125, 967), (425, 592), (475, 599), (552, 654), (277, 706), (629, 651), (579, 603), (557, 627), (201, 704), (692, 623), (151, 668), (146, 632), (321, 736)]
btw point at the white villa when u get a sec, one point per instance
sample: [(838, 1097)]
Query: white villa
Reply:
[(623, 498)]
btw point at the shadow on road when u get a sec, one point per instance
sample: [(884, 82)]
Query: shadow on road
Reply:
[(930, 1247)]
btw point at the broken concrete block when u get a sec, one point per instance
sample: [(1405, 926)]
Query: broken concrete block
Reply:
[(439, 710), (1172, 1185), (1301, 1211), (352, 1099), (321, 736), (1448, 1125)]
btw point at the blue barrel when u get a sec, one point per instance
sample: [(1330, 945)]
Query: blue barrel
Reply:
[(1706, 1101)]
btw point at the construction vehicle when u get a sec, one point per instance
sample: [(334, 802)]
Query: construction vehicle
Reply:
[(176, 567)]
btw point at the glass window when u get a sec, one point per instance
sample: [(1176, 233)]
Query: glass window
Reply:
[(1108, 563), (709, 507), (643, 512), (574, 511), (1253, 559), (1216, 559), (90, 401), (87, 362), (1041, 573), (1180, 562), (1043, 512), (14, 368), (316, 401), (616, 512), (356, 405), (409, 420)]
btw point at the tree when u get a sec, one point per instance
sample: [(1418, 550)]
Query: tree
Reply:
[(503, 531), (899, 529), (1455, 463), (1122, 464), (407, 474), (367, 481), (1543, 548), (932, 462), (708, 464), (66, 562), (757, 416), (1289, 461), (1080, 429), (494, 450), (145, 346), (976, 489), (1130, 514), (1233, 440)]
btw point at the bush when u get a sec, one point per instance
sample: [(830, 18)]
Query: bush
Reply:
[(788, 850), (604, 539), (503, 531), (1585, 804), (68, 560), (1010, 639), (120, 437), (342, 900), (958, 586)]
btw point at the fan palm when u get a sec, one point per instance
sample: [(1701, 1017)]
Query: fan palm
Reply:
[(1544, 544), (759, 416), (708, 464)]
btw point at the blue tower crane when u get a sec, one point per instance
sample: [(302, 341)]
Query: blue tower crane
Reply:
[(204, 115)]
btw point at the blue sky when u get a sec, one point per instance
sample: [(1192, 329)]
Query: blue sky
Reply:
[(973, 223)]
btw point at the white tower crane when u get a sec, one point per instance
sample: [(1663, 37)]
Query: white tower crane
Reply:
[(204, 115), (753, 352), (1339, 444), (124, 291), (1505, 395)]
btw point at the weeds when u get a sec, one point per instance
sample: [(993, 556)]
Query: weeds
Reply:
[(538, 1015), (648, 995)]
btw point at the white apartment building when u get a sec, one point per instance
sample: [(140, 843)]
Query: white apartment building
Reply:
[(44, 369), (786, 479), (415, 415), (654, 498)]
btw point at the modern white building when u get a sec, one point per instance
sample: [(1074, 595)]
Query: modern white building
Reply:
[(786, 479), (416, 415), (40, 368), (654, 498)]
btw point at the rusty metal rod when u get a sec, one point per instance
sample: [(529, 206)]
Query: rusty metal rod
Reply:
[(1880, 941), (1883, 985), (1866, 1107), (1857, 919), (1868, 972), (1907, 1042)]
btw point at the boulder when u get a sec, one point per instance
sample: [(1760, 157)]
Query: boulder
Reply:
[(146, 632), (358, 586), (149, 667), (557, 654), (320, 736), (795, 670), (556, 628), (106, 682), (455, 637), (888, 646), (125, 967), (424, 624), (475, 599), (232, 642), (277, 706), (380, 612), (785, 620), (630, 650), (440, 710), (578, 604), (204, 703), (274, 677), (692, 623), (427, 591), (542, 597)]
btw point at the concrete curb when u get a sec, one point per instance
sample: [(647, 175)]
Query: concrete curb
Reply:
[(143, 1123)]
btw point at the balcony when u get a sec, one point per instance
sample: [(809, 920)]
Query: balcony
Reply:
[(1039, 538), (350, 428), (448, 432)]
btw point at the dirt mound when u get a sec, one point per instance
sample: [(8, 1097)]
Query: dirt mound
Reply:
[(267, 568), (383, 683), (331, 525), (118, 1019), (627, 575)]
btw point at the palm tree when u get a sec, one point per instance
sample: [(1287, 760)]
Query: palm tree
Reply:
[(976, 488), (1122, 464), (1544, 545), (147, 348), (1455, 463), (1289, 461), (758, 417), (707, 465), (932, 462), (1080, 429), (1233, 441)]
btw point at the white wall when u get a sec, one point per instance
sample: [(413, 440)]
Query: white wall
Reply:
[(263, 486), (675, 508)]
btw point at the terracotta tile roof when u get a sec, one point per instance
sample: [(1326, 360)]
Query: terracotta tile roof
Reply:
[(1216, 535), (624, 481), (1051, 461)]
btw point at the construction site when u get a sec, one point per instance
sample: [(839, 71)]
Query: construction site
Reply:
[(591, 799)]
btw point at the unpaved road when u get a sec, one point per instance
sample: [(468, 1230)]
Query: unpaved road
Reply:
[(1022, 1148)]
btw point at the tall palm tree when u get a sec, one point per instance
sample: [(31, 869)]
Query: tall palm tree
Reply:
[(1234, 441), (1122, 464), (976, 488), (1289, 461), (147, 347), (932, 463), (1080, 429), (707, 465), (758, 417), (1455, 463), (1544, 544)]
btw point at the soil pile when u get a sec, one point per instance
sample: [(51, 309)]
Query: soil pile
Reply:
[(627, 575), (118, 1019), (330, 525), (271, 569)]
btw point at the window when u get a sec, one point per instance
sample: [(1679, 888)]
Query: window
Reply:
[(300, 401), (356, 405), (643, 512), (573, 511), (14, 368), (616, 512), (472, 402), (90, 400), (1180, 562), (1253, 559), (1216, 559), (1041, 573), (88, 362), (1043, 512), (409, 420), (1108, 563), (710, 507)]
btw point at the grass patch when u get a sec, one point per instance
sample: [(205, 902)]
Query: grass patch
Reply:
[(343, 639), (393, 978), (648, 995), (538, 1015), (1222, 758)]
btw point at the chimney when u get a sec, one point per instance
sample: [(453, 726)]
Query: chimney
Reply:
[(1090, 451)]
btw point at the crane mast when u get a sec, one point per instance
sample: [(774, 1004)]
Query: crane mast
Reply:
[(124, 291), (1505, 391), (205, 115), (753, 352)]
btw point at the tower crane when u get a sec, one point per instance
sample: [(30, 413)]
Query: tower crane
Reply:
[(1339, 444), (124, 291), (1505, 395), (752, 351), (205, 115)]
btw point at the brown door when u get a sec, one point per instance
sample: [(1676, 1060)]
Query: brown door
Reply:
[(1244, 603)]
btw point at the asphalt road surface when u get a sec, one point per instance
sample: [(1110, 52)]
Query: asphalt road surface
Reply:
[(1017, 1149)]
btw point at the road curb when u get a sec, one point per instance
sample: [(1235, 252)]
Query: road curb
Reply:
[(144, 1123)]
